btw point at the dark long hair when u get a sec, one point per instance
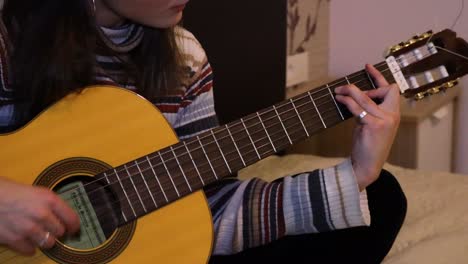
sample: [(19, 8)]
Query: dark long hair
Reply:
[(54, 47)]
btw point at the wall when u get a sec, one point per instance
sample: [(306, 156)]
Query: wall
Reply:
[(308, 26), (308, 30), (360, 30)]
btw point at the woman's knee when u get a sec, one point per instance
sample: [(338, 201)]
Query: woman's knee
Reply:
[(387, 198)]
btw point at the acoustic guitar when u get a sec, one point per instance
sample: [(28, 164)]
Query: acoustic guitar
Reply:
[(114, 158)]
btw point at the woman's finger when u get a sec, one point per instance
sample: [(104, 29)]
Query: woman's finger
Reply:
[(52, 224), (355, 108), (360, 98), (43, 239), (390, 95), (376, 75), (64, 214)]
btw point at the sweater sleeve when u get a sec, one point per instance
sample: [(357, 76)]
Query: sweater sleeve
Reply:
[(254, 212), (197, 113)]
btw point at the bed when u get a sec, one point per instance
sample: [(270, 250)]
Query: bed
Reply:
[(436, 227)]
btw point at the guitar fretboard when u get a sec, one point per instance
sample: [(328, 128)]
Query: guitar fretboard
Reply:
[(162, 177)]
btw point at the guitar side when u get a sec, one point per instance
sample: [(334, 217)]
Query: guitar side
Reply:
[(113, 126)]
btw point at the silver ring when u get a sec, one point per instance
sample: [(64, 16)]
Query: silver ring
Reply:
[(44, 240), (362, 114)]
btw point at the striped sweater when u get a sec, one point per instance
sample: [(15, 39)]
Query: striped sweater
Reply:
[(245, 213)]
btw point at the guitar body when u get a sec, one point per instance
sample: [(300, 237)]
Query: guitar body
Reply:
[(106, 126)]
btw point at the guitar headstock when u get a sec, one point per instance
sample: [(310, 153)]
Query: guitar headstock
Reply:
[(429, 63)]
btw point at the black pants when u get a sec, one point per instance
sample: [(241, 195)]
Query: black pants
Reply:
[(387, 205)]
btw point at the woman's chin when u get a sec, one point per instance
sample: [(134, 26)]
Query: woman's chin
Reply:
[(166, 23)]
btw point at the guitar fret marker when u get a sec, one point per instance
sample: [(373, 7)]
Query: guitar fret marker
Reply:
[(300, 119), (123, 214), (320, 116), (235, 145), (268, 134), (121, 185), (144, 180), (193, 162), (251, 140), (134, 187), (157, 179), (221, 151), (337, 107), (207, 158), (180, 167), (168, 174), (284, 128)]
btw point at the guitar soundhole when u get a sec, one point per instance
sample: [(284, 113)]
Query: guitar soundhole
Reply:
[(102, 236), (96, 207)]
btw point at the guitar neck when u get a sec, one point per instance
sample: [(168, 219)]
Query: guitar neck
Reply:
[(190, 165)]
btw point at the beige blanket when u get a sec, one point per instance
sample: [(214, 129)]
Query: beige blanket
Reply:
[(436, 228)]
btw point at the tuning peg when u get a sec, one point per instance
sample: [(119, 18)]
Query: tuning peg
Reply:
[(396, 48), (410, 42), (450, 84), (434, 90), (419, 96), (427, 34)]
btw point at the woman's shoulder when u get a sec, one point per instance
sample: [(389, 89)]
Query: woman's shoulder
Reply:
[(191, 49)]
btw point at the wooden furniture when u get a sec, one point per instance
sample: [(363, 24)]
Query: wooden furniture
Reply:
[(424, 139)]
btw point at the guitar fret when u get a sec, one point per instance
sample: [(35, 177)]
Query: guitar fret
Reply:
[(282, 125), (207, 158), (334, 101), (193, 161), (235, 145), (268, 134), (371, 80), (221, 151), (316, 109), (168, 173), (182, 170), (251, 140), (134, 187), (300, 119), (123, 188), (347, 80), (157, 179), (122, 211), (144, 180)]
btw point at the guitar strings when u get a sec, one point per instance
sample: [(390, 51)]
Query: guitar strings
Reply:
[(311, 93), (119, 180), (315, 91), (146, 197), (183, 183), (453, 53), (264, 120)]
